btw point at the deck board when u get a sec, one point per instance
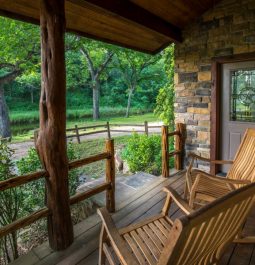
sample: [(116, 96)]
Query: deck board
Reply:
[(140, 205)]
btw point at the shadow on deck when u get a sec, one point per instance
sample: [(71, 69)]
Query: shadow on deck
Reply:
[(140, 205)]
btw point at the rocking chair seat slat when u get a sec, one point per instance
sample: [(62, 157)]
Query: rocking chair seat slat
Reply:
[(198, 237), (148, 241)]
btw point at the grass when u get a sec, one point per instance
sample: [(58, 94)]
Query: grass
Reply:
[(93, 147), (24, 132), (32, 116)]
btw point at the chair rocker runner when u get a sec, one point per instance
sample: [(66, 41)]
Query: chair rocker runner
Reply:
[(199, 237)]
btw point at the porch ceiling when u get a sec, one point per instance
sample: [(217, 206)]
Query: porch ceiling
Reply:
[(143, 25)]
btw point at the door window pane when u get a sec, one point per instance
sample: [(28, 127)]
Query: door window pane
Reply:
[(242, 105)]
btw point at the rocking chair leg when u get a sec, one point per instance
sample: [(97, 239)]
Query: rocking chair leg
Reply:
[(102, 256), (186, 192)]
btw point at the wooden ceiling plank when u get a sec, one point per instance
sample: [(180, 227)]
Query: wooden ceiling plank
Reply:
[(134, 13), (140, 40), (112, 25)]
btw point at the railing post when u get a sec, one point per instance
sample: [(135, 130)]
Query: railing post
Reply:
[(110, 175), (146, 128), (77, 134), (179, 145), (108, 130), (165, 152)]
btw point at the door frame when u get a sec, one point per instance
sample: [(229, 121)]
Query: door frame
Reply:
[(216, 95)]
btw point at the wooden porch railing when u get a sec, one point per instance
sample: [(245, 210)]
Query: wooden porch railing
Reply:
[(108, 186), (78, 132), (180, 135)]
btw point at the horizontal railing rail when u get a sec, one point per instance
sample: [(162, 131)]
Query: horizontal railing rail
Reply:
[(77, 132), (108, 186), (178, 153)]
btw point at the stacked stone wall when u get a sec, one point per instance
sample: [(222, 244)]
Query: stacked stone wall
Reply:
[(226, 29)]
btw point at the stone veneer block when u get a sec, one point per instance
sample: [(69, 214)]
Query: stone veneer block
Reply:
[(204, 76)]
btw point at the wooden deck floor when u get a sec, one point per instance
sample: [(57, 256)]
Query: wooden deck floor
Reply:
[(145, 203)]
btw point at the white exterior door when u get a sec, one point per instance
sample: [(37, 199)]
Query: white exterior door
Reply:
[(237, 106)]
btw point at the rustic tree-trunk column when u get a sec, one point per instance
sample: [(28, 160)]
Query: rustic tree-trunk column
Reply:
[(51, 142), (165, 152)]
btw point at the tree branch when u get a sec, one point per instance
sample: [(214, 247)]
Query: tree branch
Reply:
[(7, 65), (104, 64), (85, 53), (9, 77)]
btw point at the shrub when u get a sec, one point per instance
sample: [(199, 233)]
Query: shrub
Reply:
[(143, 153), (31, 163), (11, 201)]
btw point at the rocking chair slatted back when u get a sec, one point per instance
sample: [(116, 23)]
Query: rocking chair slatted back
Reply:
[(201, 237), (243, 167)]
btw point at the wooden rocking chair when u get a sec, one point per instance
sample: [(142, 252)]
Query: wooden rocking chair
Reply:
[(202, 187), (197, 238)]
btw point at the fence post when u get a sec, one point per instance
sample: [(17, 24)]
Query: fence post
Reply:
[(77, 134), (108, 130), (165, 152), (110, 175), (146, 128), (179, 145)]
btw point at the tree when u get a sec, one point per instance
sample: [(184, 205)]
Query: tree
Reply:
[(30, 83), (15, 60), (97, 56), (133, 66), (165, 99)]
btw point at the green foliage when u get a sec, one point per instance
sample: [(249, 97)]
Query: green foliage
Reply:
[(20, 44), (31, 163), (11, 201), (141, 73), (143, 153), (165, 104), (165, 99)]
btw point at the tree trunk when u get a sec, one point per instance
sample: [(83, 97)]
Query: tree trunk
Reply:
[(96, 95), (51, 142), (5, 127), (129, 102)]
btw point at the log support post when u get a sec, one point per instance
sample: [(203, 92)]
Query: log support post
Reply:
[(180, 145), (165, 152), (51, 141), (110, 175)]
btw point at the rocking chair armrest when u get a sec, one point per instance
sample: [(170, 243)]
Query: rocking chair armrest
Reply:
[(225, 180), (119, 245), (194, 156), (222, 162), (182, 204)]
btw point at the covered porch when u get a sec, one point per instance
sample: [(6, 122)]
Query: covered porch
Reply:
[(141, 205), (144, 27)]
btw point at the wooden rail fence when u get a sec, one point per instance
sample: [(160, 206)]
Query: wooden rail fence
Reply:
[(178, 153), (108, 186), (78, 132)]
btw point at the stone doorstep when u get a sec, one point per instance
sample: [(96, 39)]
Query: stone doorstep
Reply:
[(124, 186)]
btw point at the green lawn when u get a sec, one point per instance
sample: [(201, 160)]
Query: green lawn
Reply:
[(93, 147), (24, 132), (32, 116)]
